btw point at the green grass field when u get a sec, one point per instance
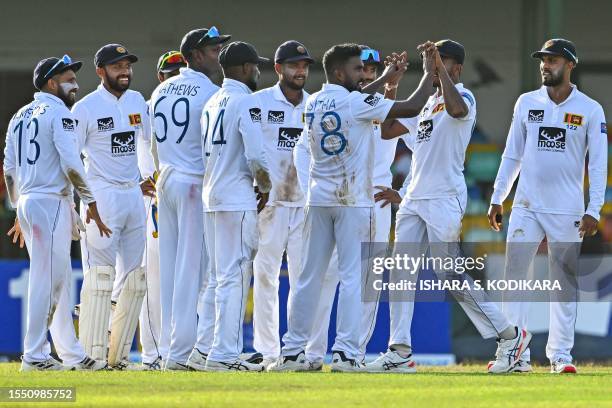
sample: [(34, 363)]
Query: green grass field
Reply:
[(462, 385)]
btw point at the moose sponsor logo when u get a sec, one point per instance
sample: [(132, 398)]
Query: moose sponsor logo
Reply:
[(67, 124), (288, 137), (255, 115), (535, 116), (424, 131), (551, 139), (276, 117), (105, 124), (123, 144)]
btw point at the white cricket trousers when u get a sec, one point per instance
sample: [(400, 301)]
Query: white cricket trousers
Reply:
[(317, 346), (526, 230), (232, 244), (181, 258), (438, 222), (325, 228), (46, 223), (280, 230)]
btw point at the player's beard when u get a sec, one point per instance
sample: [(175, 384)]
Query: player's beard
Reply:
[(67, 93), (353, 86), (293, 85), (115, 85), (554, 79)]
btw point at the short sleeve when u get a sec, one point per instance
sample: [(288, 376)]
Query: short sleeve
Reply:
[(470, 101), (370, 107)]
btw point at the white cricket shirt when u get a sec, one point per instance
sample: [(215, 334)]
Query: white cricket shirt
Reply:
[(341, 141), (233, 149), (550, 142), (438, 149), (41, 149), (281, 126), (176, 108), (108, 129)]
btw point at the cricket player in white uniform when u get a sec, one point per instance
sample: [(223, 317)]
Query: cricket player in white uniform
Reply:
[(41, 166), (340, 198), (280, 223), (176, 108), (383, 158), (110, 120), (431, 211), (552, 130), (235, 158), (150, 315)]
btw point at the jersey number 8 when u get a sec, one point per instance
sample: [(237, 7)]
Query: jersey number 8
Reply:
[(333, 141)]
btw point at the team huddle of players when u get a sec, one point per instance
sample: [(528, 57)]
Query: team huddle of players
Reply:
[(186, 197)]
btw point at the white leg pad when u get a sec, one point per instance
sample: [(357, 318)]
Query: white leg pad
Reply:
[(95, 310), (125, 316)]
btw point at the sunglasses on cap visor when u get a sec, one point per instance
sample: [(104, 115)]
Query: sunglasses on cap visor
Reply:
[(65, 59), (173, 58), (370, 54), (211, 33)]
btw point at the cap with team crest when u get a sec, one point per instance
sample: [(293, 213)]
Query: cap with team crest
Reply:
[(291, 51), (111, 53), (558, 46)]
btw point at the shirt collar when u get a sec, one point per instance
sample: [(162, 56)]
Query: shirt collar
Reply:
[(41, 96), (334, 87), (572, 94), (229, 83), (186, 71), (277, 93), (109, 96)]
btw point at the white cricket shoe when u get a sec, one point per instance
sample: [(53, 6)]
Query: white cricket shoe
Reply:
[(521, 366), (50, 364), (391, 362), (562, 367), (155, 365), (291, 363), (267, 362), (171, 365), (197, 360), (315, 366), (238, 365), (509, 352), (342, 364), (254, 358), (88, 364), (126, 365)]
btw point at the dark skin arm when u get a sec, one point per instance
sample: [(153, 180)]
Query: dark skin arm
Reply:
[(390, 129), (412, 106), (454, 104)]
